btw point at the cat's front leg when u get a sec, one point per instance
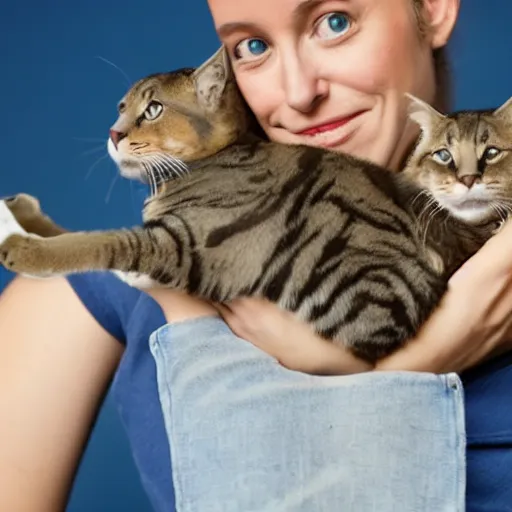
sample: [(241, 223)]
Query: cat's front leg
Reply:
[(129, 251), (27, 211), (25, 254)]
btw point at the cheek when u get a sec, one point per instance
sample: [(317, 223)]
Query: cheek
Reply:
[(386, 56), (261, 92)]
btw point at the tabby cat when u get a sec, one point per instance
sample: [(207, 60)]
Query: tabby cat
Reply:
[(360, 253)]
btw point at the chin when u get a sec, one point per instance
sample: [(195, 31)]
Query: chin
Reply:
[(474, 214)]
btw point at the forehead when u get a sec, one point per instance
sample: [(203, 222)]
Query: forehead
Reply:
[(479, 127), (173, 83), (273, 13)]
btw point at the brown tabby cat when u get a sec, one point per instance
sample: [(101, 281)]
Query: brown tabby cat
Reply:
[(360, 253)]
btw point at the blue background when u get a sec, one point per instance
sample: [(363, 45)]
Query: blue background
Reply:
[(58, 98)]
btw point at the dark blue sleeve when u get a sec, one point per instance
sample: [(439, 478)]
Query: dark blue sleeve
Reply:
[(108, 299)]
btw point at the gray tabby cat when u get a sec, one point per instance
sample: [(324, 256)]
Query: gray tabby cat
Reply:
[(360, 253)]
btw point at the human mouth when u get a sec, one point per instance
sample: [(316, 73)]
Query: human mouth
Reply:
[(331, 133)]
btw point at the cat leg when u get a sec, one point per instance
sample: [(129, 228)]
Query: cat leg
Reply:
[(27, 212), (22, 215), (137, 253)]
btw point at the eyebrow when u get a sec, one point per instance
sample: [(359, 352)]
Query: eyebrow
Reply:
[(227, 29), (300, 13), (302, 10)]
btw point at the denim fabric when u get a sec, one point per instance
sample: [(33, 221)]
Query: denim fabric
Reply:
[(248, 435)]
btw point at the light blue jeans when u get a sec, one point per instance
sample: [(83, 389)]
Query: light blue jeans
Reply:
[(248, 435)]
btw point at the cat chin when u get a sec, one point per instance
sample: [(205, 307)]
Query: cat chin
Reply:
[(128, 167), (473, 214)]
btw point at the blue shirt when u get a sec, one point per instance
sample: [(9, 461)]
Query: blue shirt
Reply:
[(131, 316)]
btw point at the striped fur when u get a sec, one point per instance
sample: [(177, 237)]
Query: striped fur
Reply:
[(337, 240)]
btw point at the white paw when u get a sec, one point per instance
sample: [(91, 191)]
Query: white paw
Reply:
[(8, 223), (140, 281)]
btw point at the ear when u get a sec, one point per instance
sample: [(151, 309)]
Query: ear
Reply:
[(423, 114), (210, 80), (440, 17), (505, 111)]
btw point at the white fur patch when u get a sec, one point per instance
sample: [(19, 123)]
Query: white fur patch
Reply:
[(10, 226), (137, 280), (8, 223)]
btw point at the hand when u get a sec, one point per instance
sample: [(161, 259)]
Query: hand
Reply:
[(473, 323), (474, 320), (290, 341)]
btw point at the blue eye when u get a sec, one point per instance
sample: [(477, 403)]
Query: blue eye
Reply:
[(333, 25), (442, 156), (250, 49)]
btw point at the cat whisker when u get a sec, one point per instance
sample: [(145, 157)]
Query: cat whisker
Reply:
[(89, 139), (426, 208), (430, 210), (94, 165), (93, 150), (167, 170), (150, 177), (170, 167), (179, 163), (502, 209), (162, 173), (438, 209), (111, 188), (419, 196), (110, 63)]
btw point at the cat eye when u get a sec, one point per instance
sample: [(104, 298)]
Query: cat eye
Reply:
[(443, 157), (153, 110), (491, 154)]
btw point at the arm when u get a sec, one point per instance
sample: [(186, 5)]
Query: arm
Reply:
[(55, 365)]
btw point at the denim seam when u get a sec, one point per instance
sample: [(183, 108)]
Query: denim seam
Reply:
[(155, 345), (454, 385)]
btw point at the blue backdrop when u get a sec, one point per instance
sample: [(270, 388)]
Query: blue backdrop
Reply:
[(59, 95)]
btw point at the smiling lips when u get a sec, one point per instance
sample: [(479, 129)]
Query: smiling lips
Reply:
[(332, 133), (314, 130)]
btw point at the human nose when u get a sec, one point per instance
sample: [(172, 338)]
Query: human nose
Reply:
[(303, 86)]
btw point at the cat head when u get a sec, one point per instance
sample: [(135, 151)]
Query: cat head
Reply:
[(168, 119), (464, 160)]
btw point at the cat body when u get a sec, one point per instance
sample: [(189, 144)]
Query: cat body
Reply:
[(337, 240)]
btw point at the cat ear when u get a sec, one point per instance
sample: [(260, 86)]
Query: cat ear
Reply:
[(505, 110), (422, 113), (210, 80)]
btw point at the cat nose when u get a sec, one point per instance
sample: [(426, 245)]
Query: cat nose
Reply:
[(116, 137), (469, 180)]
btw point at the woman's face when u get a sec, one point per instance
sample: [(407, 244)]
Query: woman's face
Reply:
[(329, 73)]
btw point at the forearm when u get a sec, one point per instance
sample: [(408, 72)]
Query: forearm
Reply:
[(55, 364)]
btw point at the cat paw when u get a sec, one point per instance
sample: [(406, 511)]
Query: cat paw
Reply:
[(23, 205), (23, 254), (137, 280), (8, 223)]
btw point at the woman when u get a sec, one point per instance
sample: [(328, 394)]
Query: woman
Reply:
[(294, 78)]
